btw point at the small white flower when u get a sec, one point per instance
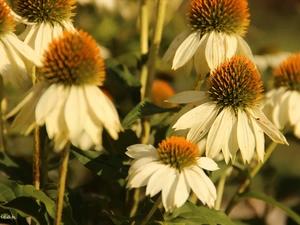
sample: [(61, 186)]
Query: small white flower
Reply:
[(229, 112), (174, 168), (215, 35), (68, 100), (282, 102), (15, 55)]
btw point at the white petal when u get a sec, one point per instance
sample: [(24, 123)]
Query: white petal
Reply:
[(139, 164), (186, 50), (140, 150), (75, 111), (83, 141), (93, 130), (218, 135), (169, 190), (60, 140), (187, 97), (297, 130), (259, 139), (46, 103), (230, 42), (157, 180), (215, 52), (245, 136), (233, 145), (175, 44), (294, 107), (201, 65), (195, 116), (207, 164), (269, 128), (182, 191), (243, 48)]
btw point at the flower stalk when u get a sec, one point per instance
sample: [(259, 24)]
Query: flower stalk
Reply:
[(152, 211)]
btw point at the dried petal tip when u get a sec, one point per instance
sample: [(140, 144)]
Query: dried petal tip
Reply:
[(74, 59), (226, 16)]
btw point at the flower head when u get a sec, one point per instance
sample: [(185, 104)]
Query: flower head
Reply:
[(229, 112), (67, 99), (174, 168), (15, 54), (214, 36), (283, 100), (46, 20)]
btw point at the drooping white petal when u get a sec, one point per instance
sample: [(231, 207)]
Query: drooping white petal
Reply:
[(182, 191), (243, 48), (280, 111), (294, 107), (169, 190), (201, 65), (196, 115), (175, 44), (245, 136), (215, 52), (157, 180), (140, 163), (186, 50), (93, 130), (141, 177), (230, 42), (187, 97), (138, 151), (75, 111), (60, 140), (47, 102), (83, 141), (207, 163), (218, 135), (233, 145), (259, 139), (269, 128), (297, 129)]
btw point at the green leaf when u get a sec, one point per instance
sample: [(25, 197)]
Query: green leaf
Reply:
[(26, 206), (191, 214), (143, 109), (272, 201)]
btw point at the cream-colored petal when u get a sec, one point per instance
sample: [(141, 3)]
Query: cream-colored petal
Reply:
[(169, 190), (75, 111), (157, 180), (181, 191), (207, 164), (186, 50), (140, 150), (280, 110), (215, 51), (93, 130), (245, 136), (259, 139), (83, 141), (230, 42), (201, 65), (187, 97), (294, 107), (175, 44), (233, 145), (269, 128), (139, 164), (297, 130), (243, 48), (60, 140)]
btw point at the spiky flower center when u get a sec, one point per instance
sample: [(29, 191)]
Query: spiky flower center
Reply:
[(74, 59), (178, 152), (51, 11), (288, 73), (7, 23), (226, 16), (235, 83)]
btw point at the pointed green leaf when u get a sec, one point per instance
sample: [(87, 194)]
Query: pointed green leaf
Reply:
[(143, 109), (191, 214), (272, 201)]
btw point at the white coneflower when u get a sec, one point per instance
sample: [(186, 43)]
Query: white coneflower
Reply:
[(214, 35), (14, 53), (46, 21), (174, 168), (229, 112), (67, 99), (283, 101)]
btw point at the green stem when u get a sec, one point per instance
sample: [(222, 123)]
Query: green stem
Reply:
[(220, 189), (152, 211), (62, 183), (155, 46), (252, 174)]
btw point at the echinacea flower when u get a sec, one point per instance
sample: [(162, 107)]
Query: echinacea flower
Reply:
[(229, 112), (46, 21), (68, 100), (283, 101), (215, 34), (174, 168), (15, 54)]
